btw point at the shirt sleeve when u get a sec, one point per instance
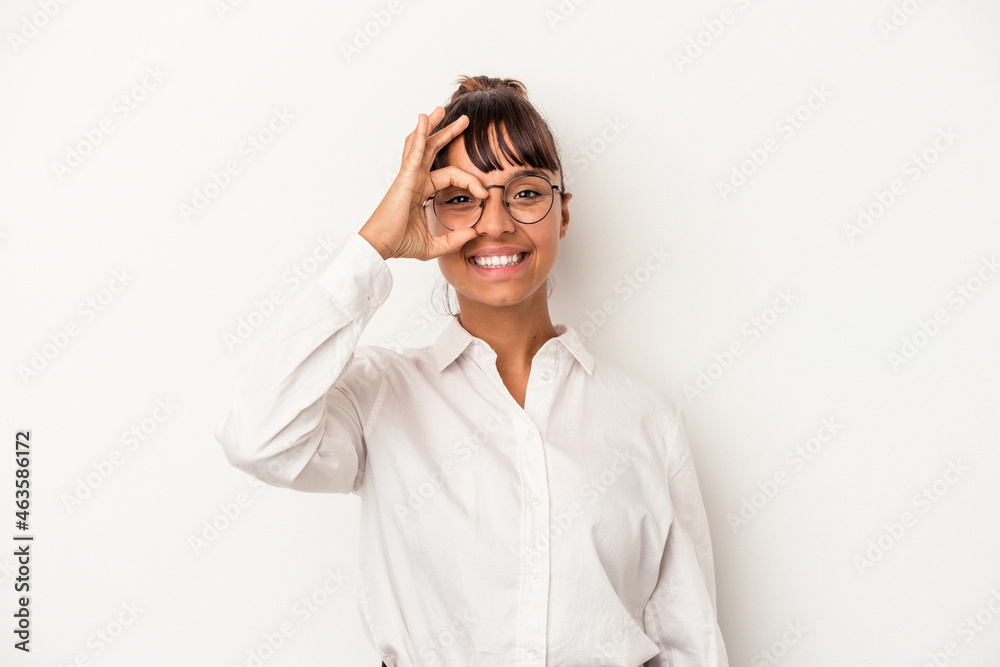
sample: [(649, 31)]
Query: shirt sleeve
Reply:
[(300, 404), (681, 615)]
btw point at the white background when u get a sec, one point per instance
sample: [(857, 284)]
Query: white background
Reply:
[(824, 548)]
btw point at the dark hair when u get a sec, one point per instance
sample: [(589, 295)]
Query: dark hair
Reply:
[(495, 106)]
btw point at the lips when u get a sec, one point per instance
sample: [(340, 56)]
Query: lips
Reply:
[(490, 251), (498, 261), (500, 269)]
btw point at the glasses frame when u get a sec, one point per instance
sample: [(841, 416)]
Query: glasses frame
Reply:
[(506, 205)]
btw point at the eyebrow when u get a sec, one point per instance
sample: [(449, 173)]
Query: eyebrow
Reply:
[(526, 172)]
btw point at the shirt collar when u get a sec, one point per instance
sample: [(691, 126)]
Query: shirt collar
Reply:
[(454, 339)]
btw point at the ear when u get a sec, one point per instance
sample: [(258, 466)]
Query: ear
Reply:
[(565, 213)]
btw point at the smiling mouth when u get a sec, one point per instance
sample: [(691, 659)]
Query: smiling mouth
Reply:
[(498, 261)]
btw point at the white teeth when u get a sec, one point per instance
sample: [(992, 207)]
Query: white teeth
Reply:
[(498, 260)]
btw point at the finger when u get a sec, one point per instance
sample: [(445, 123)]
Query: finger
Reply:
[(443, 137), (409, 140), (433, 120), (451, 242), (435, 116), (406, 146), (452, 175), (413, 159)]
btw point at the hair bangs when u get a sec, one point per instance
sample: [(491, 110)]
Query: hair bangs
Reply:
[(501, 128)]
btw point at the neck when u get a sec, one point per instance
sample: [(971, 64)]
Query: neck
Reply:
[(515, 332)]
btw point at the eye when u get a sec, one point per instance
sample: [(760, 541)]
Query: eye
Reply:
[(456, 198), (527, 194)]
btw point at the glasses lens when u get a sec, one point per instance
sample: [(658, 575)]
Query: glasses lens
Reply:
[(529, 198), (456, 207)]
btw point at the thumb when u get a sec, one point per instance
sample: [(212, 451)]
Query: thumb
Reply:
[(453, 241)]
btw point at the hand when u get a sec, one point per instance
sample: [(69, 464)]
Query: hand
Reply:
[(398, 227)]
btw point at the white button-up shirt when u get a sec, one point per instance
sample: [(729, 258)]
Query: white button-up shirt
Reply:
[(568, 533)]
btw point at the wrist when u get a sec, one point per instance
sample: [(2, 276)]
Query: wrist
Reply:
[(380, 247)]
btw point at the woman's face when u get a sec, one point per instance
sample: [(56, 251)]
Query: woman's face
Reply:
[(500, 234)]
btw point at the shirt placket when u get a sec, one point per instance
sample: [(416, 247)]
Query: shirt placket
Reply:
[(535, 536), (529, 426)]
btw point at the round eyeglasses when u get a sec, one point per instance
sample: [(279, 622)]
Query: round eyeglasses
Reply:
[(527, 199)]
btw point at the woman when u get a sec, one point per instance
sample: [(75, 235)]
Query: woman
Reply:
[(521, 502)]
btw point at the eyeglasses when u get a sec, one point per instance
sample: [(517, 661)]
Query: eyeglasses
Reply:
[(527, 199)]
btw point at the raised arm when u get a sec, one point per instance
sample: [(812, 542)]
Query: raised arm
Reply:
[(296, 420), (300, 406)]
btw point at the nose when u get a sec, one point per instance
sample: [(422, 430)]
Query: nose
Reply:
[(495, 219)]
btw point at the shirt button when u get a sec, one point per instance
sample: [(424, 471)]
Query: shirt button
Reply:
[(536, 573), (532, 653), (536, 501), (544, 375)]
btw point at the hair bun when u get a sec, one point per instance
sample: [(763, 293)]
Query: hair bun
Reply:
[(475, 84)]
